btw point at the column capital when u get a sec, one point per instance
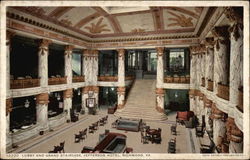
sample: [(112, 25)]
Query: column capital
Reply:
[(85, 52), (159, 91), (8, 106), (220, 32), (209, 42), (159, 51), (234, 14), (216, 113), (121, 53), (68, 93), (42, 98), (9, 35), (44, 42), (233, 132), (95, 52), (86, 89), (69, 47), (121, 89)]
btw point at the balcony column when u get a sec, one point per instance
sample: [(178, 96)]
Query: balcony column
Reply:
[(193, 68), (160, 70), (8, 110), (84, 97), (43, 53), (121, 97), (235, 137), (202, 62), (67, 100), (91, 67), (209, 71), (9, 35), (68, 63), (208, 111), (236, 53), (121, 67), (42, 101), (160, 93), (149, 62), (219, 126), (221, 65)]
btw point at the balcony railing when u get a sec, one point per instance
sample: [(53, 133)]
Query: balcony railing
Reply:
[(240, 100), (177, 79), (203, 82), (57, 80), (223, 91), (127, 78), (210, 85), (24, 83), (78, 79), (108, 78)]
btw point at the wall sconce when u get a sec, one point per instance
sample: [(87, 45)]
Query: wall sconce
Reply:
[(79, 93), (26, 103), (58, 97)]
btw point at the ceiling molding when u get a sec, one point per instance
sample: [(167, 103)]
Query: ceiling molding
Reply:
[(157, 14), (131, 13), (181, 10), (59, 11)]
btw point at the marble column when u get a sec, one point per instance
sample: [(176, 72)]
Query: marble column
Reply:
[(149, 62), (42, 101), (221, 53), (9, 35), (208, 111), (235, 137), (193, 67), (198, 71), (236, 61), (84, 97), (160, 70), (121, 67), (67, 100), (219, 126), (8, 110), (68, 63), (121, 96), (160, 92), (202, 51), (43, 61), (209, 71), (89, 92)]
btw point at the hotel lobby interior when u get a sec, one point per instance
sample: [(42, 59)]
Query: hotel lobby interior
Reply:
[(147, 79)]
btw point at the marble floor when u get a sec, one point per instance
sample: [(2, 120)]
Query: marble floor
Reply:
[(45, 143)]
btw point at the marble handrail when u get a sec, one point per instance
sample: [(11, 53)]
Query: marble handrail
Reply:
[(57, 80), (78, 79), (24, 83), (108, 78)]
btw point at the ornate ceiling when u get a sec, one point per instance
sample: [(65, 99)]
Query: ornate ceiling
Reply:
[(107, 22)]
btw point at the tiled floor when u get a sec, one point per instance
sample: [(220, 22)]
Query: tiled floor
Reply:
[(46, 142)]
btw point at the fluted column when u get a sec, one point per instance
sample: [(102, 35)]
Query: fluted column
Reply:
[(193, 67), (84, 97), (235, 16), (67, 100), (160, 70), (209, 73), (42, 101), (121, 67), (202, 50), (121, 97), (8, 110), (221, 55), (160, 92), (90, 67), (208, 111), (68, 63), (43, 61), (234, 136), (9, 35)]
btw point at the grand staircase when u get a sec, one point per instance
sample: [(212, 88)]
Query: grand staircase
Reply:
[(141, 102)]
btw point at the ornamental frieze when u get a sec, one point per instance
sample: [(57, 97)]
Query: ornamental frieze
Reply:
[(68, 93)]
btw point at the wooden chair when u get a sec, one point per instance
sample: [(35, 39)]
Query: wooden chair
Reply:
[(61, 147), (77, 138), (144, 139), (91, 129), (55, 150), (82, 135), (102, 122), (199, 131), (173, 129), (172, 146)]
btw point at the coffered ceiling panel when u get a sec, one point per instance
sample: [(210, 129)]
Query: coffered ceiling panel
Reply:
[(99, 25), (136, 23), (74, 15)]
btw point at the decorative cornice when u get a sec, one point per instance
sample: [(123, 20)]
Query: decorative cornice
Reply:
[(42, 98), (86, 89), (220, 32), (121, 89), (209, 42), (234, 14)]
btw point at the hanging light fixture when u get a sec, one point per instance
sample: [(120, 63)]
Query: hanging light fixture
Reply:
[(176, 95), (112, 88), (26, 103), (79, 93), (58, 97)]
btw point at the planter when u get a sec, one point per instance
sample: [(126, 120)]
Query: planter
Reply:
[(24, 83)]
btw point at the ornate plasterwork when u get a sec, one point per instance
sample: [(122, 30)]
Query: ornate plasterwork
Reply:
[(42, 98), (160, 51), (43, 46), (68, 93), (180, 20), (98, 27)]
